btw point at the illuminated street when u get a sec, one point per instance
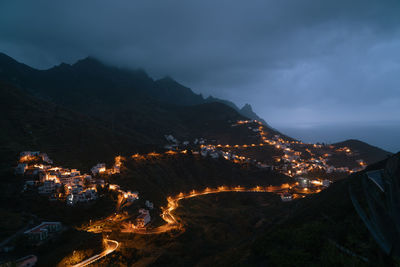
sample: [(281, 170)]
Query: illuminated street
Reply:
[(111, 246), (173, 223)]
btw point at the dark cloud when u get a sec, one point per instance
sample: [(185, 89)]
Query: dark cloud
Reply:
[(295, 61)]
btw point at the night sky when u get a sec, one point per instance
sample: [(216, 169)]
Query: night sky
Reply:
[(297, 62)]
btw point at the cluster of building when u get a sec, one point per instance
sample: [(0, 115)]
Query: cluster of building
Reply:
[(81, 196), (175, 144), (70, 185), (127, 195), (215, 152), (286, 196), (210, 151), (293, 163), (307, 182), (305, 185), (100, 168), (62, 183), (298, 158), (30, 156)]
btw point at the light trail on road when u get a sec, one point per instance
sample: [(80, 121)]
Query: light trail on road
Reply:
[(172, 223), (110, 248)]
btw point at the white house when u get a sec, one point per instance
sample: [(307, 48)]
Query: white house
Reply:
[(304, 182), (83, 196), (131, 196), (286, 197), (143, 218), (71, 199), (99, 168)]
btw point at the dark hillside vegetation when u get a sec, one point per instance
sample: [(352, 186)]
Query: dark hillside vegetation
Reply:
[(80, 141), (215, 225), (371, 154), (157, 178), (322, 229), (254, 229), (68, 137)]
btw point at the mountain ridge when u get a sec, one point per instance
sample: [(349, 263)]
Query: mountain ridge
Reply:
[(144, 87), (128, 100)]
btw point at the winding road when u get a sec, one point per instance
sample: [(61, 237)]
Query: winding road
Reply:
[(172, 222), (112, 245), (173, 203)]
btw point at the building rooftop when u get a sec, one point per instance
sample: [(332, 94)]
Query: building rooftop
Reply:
[(39, 228)]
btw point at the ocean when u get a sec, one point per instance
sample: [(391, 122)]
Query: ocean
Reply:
[(385, 135)]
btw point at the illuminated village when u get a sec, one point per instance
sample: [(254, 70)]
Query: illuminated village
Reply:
[(302, 162), (73, 187), (298, 158), (60, 183)]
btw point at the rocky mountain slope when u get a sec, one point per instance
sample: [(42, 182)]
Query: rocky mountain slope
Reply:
[(91, 86)]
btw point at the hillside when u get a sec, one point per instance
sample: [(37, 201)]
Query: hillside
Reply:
[(92, 87), (68, 137), (367, 152), (161, 176), (324, 229), (240, 229), (170, 91), (80, 140)]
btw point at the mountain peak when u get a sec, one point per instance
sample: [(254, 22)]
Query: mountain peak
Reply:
[(247, 108), (247, 111)]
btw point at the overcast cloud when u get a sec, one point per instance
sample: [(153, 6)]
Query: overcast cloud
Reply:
[(294, 61)]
